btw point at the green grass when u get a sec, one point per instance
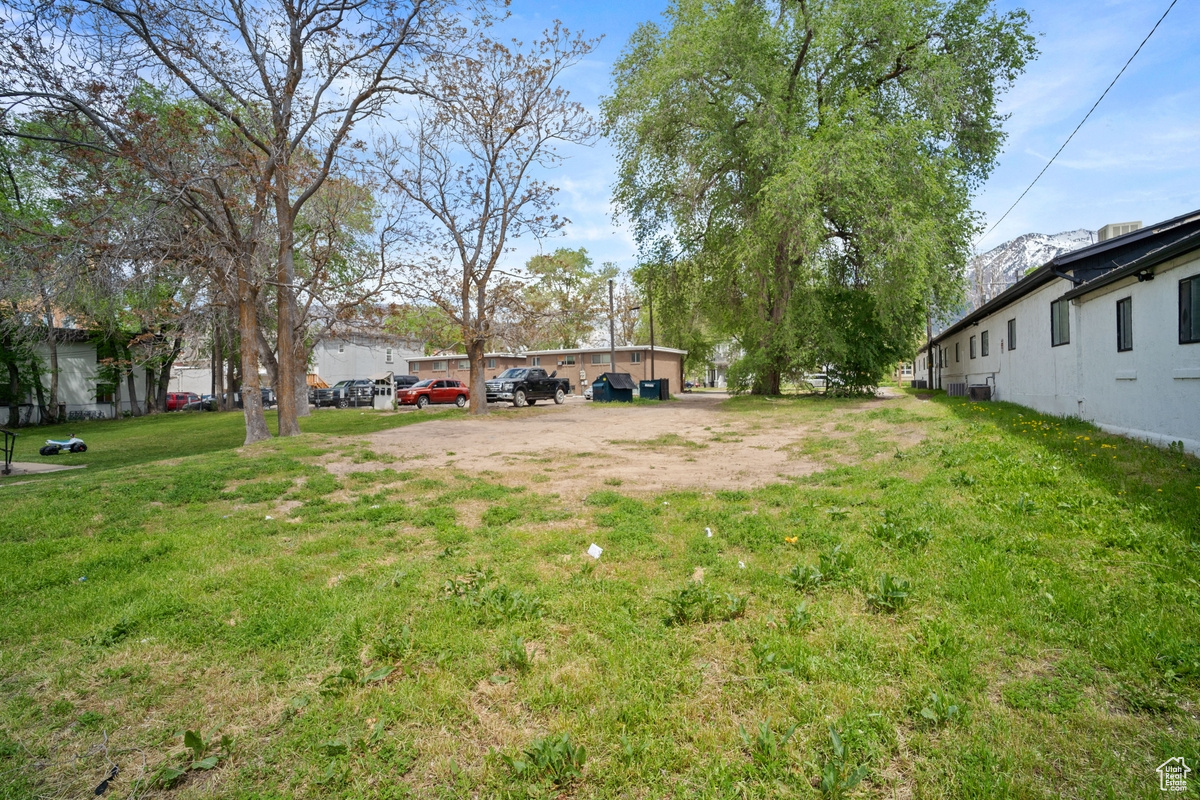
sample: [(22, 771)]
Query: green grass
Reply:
[(1006, 608)]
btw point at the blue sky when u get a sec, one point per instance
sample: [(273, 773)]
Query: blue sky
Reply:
[(1136, 158)]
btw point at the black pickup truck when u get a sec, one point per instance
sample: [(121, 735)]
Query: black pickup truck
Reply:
[(524, 386), (344, 394)]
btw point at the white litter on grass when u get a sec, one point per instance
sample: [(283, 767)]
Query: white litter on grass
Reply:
[(375, 506), (269, 516), (741, 565), (665, 503), (595, 550), (708, 532), (82, 578)]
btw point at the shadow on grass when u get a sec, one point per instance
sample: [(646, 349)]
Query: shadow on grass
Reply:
[(1162, 484), (140, 440)]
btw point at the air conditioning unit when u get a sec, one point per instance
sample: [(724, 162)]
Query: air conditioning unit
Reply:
[(981, 391), (956, 389)]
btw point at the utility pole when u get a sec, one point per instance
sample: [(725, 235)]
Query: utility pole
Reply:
[(929, 347), (612, 330), (650, 299)]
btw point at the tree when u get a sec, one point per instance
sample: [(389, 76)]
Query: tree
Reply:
[(771, 150), (467, 169), (288, 83), (565, 298)]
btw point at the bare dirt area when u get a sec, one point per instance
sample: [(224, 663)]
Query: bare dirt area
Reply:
[(578, 447)]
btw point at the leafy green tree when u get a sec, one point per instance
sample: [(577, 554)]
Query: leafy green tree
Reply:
[(566, 298), (771, 150)]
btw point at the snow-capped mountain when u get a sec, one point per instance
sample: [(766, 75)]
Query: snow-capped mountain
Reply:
[(992, 272)]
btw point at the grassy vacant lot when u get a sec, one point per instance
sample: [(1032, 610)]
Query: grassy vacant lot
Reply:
[(1007, 608)]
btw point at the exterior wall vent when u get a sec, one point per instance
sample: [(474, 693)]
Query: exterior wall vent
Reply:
[(1115, 229)]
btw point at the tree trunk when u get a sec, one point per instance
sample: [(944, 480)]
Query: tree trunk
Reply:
[(231, 381), (117, 384), (267, 359), (252, 410), (285, 277), (14, 391), (217, 377), (475, 353), (302, 353), (164, 377), (14, 380), (151, 391), (131, 385), (39, 392), (52, 343)]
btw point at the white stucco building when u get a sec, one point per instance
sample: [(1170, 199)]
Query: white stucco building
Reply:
[(361, 355), (80, 392), (1109, 333)]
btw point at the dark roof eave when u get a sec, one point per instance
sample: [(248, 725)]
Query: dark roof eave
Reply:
[(1184, 245), (1034, 280)]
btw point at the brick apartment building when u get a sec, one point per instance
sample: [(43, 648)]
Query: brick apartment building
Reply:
[(581, 365)]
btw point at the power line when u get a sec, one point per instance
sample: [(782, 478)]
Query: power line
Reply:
[(1080, 125)]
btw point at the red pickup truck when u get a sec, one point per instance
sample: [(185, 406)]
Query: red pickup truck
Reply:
[(177, 400)]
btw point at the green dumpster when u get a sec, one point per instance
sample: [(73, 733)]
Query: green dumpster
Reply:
[(613, 387)]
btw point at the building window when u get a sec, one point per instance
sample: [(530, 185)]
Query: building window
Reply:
[(388, 356), (464, 364), (601, 358), (972, 347), (1012, 334), (535, 361), (635, 358), (1189, 310), (491, 363), (415, 366), (1060, 323), (439, 366), (1124, 324), (569, 361), (341, 347), (956, 353), (983, 343)]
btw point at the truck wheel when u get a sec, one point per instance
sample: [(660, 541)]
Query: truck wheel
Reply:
[(423, 401), (343, 403), (560, 397), (519, 398), (461, 400)]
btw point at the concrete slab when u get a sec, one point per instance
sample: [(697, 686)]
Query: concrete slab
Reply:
[(38, 468)]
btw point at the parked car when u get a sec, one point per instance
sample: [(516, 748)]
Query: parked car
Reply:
[(405, 381), (205, 403), (526, 385), (426, 392), (587, 393), (343, 394), (177, 400)]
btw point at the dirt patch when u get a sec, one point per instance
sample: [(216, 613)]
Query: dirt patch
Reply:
[(578, 447)]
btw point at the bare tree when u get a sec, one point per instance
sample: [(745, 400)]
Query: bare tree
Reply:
[(468, 168), (289, 82)]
